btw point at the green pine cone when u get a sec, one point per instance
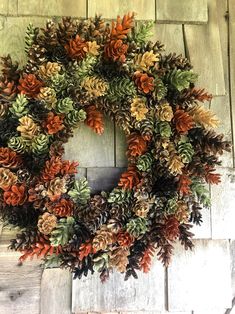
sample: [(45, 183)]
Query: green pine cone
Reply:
[(200, 192), (85, 67), (40, 144), (171, 206), (74, 117), (160, 89), (19, 106), (101, 262), (30, 35), (144, 162), (181, 79), (145, 126), (119, 196), (186, 151), (137, 227), (63, 231), (59, 82), (120, 88), (64, 105), (80, 192), (164, 129), (143, 32), (18, 144)]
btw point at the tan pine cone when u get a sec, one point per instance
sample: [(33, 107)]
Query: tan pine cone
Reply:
[(47, 95), (102, 239), (138, 108), (165, 112), (119, 259), (49, 69), (146, 60), (141, 209), (93, 48), (7, 178), (28, 128), (182, 212), (94, 86), (46, 223), (56, 187), (175, 163)]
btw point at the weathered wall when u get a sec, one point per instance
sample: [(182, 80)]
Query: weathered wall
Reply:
[(198, 281)]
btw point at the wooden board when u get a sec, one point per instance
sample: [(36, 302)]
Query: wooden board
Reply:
[(171, 35), (232, 65), (146, 293), (52, 8), (120, 148), (56, 291), (222, 210), (204, 49), (182, 11), (103, 178), (145, 10), (200, 280), (90, 149), (3, 7)]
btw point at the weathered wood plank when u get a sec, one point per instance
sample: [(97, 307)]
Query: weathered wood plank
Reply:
[(19, 285), (52, 8), (56, 291), (222, 209), (204, 48), (171, 35), (12, 33), (103, 179), (90, 149), (182, 11), (110, 9), (120, 148), (232, 255), (232, 65), (12, 7), (3, 7), (146, 293), (194, 280)]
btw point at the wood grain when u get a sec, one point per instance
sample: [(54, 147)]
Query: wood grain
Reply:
[(56, 291), (120, 148), (182, 11), (200, 280), (103, 179), (146, 293), (222, 210), (232, 66), (145, 10), (52, 8), (205, 53), (90, 149), (3, 7)]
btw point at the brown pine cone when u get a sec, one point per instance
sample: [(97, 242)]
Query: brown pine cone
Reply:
[(7, 89), (3, 110), (56, 187), (136, 145), (49, 69), (141, 209), (119, 259), (47, 223), (48, 96), (182, 212), (29, 85), (116, 50), (9, 158), (64, 208), (114, 225), (77, 48), (124, 239), (102, 239)]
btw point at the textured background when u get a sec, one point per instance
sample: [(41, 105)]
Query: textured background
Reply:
[(198, 282)]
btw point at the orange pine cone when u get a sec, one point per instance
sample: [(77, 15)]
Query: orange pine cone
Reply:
[(53, 123), (63, 208), (145, 262), (136, 145), (77, 48), (69, 167), (116, 50), (124, 239), (95, 119), (30, 85), (121, 28), (9, 158), (184, 184), (16, 195), (183, 121), (212, 178), (52, 168), (85, 249), (129, 178)]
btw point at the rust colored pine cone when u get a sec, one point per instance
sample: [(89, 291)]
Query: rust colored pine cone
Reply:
[(144, 82), (77, 48), (124, 239), (7, 89), (47, 223), (7, 178), (56, 187), (16, 195), (63, 208), (129, 178), (94, 119), (116, 50), (136, 145), (119, 259), (9, 158), (54, 123), (183, 121), (29, 85), (102, 239), (171, 228)]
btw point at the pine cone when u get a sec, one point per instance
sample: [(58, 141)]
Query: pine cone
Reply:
[(9, 158), (46, 223), (7, 178), (116, 50), (183, 121), (114, 225), (48, 96), (3, 110), (137, 227), (63, 208), (56, 187), (102, 239), (49, 69), (146, 60), (27, 127), (16, 195), (94, 119), (19, 106), (76, 48), (9, 69), (129, 178), (138, 108), (74, 117), (171, 228), (101, 262), (204, 116), (136, 145), (124, 239), (30, 85), (24, 240), (164, 128), (119, 259), (18, 144), (7, 89), (145, 162), (40, 144), (94, 86), (144, 82), (164, 112), (145, 127), (141, 209), (182, 212), (186, 151), (67, 29)]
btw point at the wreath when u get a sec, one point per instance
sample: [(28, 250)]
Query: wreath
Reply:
[(77, 71)]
